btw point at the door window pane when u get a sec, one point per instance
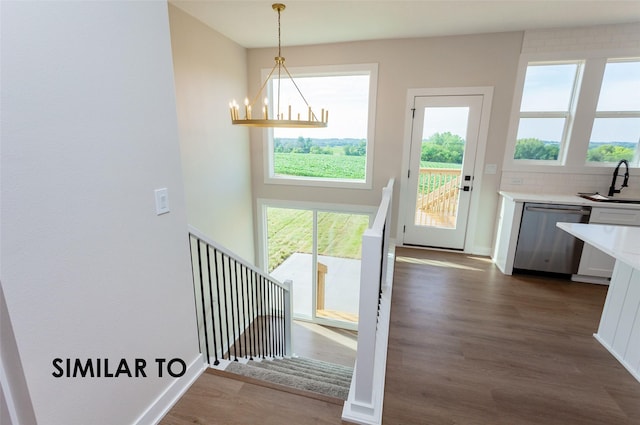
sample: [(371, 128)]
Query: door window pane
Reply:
[(339, 253), (443, 142), (334, 280), (289, 249)]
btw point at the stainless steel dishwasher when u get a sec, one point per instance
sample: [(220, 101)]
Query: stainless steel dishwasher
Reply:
[(544, 247)]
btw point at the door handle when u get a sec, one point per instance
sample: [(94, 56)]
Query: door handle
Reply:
[(467, 178)]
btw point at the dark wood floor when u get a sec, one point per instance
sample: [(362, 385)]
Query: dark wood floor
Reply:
[(467, 346), (215, 399)]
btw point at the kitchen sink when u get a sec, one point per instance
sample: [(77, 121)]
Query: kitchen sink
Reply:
[(596, 197)]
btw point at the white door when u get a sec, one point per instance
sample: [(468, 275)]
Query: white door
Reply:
[(444, 139)]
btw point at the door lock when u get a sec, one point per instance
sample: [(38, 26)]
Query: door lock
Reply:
[(467, 178)]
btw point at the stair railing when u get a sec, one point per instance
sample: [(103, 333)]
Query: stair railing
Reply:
[(242, 312), (364, 404)]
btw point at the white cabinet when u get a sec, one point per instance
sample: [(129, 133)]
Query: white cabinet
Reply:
[(595, 263), (507, 234)]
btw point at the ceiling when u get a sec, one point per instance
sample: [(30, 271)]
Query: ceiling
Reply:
[(253, 24)]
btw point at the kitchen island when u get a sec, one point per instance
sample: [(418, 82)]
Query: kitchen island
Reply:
[(619, 329)]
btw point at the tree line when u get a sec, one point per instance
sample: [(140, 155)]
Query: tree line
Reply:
[(449, 148), (349, 147), (532, 148)]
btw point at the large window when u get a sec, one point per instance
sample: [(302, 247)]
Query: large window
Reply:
[(546, 111), (319, 251), (339, 155), (616, 126)]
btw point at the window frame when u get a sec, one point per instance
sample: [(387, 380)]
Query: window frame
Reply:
[(334, 70), (635, 162), (586, 104), (568, 115), (263, 204)]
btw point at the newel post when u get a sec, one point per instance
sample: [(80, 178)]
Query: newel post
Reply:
[(369, 277)]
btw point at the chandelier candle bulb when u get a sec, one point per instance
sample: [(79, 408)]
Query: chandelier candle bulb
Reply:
[(289, 112), (234, 109), (310, 114)]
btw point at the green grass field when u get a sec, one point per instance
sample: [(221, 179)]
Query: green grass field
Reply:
[(339, 235), (290, 231), (317, 165)]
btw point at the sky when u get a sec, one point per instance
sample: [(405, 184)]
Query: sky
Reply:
[(445, 119), (345, 97), (548, 88)]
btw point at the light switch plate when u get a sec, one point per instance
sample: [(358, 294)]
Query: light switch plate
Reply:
[(162, 201)]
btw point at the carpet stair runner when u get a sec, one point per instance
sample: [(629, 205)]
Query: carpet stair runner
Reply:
[(300, 373)]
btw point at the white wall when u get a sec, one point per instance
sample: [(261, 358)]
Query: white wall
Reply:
[(210, 71), (460, 61), (88, 270)]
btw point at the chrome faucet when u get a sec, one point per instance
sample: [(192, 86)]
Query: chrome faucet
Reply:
[(625, 182)]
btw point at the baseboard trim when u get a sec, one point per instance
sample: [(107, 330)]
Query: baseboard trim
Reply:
[(161, 406)]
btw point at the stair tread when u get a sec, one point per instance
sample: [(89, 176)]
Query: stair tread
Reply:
[(278, 387), (334, 390), (344, 371), (316, 362), (338, 379)]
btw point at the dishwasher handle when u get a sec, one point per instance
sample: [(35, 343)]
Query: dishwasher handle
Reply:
[(558, 210)]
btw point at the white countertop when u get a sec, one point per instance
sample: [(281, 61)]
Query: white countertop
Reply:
[(564, 199), (620, 242)]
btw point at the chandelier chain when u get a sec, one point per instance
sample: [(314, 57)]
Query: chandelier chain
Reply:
[(279, 9), (279, 49), (278, 119)]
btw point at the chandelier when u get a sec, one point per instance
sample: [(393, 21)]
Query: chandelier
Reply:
[(263, 118)]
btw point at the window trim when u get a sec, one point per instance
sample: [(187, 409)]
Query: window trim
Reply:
[(568, 115), (262, 206), (635, 162), (576, 153), (333, 70), (264, 203)]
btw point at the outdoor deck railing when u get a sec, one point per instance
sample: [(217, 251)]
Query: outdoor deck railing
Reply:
[(438, 190), (241, 311), (364, 404)]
